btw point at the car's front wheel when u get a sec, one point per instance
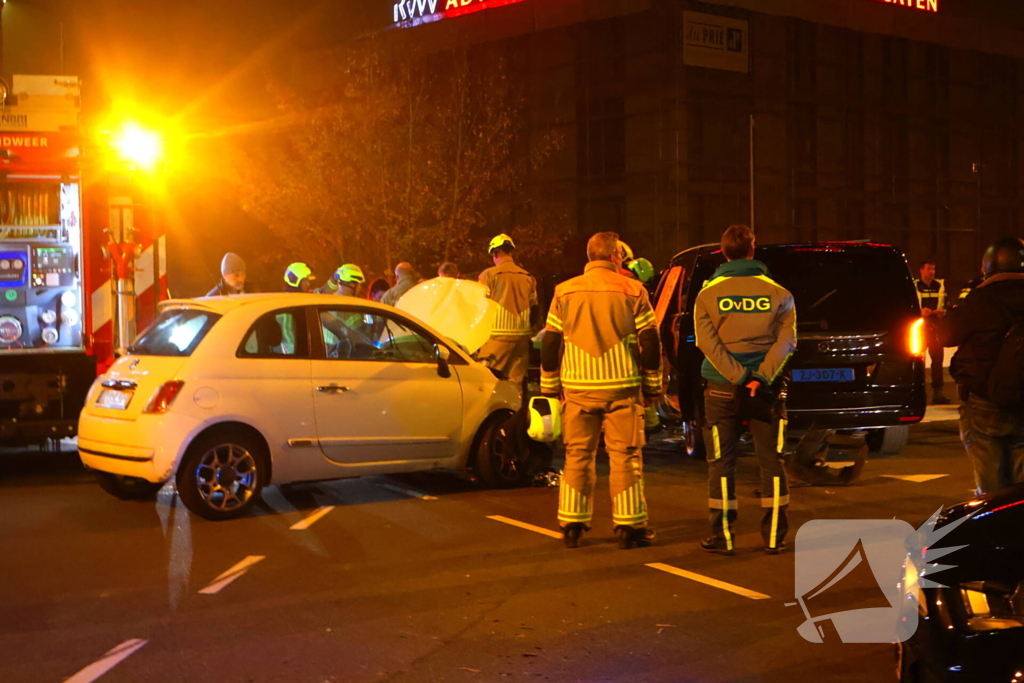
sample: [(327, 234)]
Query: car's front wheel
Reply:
[(499, 462), (126, 488), (222, 474)]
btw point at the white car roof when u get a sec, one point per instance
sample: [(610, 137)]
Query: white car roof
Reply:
[(261, 303)]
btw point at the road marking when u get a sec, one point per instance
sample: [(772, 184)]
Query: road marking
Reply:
[(109, 661), (231, 574), (941, 414), (753, 595), (524, 525), (916, 478), (309, 521), (408, 492)]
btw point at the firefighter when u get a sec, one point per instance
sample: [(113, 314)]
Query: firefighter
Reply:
[(347, 279), (601, 349), (515, 292), (298, 277), (642, 270), (232, 276), (745, 324), (406, 278), (931, 294)]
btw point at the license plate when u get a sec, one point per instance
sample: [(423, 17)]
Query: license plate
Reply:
[(114, 398), (823, 375)]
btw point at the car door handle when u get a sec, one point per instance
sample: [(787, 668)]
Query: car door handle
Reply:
[(333, 389)]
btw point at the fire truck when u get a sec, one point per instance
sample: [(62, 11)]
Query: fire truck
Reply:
[(83, 259)]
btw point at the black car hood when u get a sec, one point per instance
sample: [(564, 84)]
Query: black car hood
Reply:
[(993, 536)]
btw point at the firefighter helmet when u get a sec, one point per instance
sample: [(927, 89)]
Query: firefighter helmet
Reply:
[(545, 419), (349, 272), (500, 241), (642, 268), (296, 273), (625, 252)]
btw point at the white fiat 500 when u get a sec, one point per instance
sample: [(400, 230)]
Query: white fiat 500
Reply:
[(228, 395)]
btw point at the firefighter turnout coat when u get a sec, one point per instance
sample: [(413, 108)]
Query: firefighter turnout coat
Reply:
[(515, 291), (601, 349)]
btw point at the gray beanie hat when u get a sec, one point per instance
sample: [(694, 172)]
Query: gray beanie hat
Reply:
[(232, 263)]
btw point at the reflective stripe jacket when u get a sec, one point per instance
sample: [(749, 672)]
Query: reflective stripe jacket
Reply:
[(931, 296), (745, 324), (600, 316), (515, 291)]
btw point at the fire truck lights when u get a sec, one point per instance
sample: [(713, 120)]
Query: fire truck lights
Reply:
[(138, 146)]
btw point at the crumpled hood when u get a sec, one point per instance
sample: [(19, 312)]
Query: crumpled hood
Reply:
[(458, 309)]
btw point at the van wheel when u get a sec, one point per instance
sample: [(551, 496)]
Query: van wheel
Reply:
[(888, 440), (126, 488), (222, 474), (497, 462)]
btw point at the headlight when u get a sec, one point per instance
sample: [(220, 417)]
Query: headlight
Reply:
[(912, 586), (992, 606)]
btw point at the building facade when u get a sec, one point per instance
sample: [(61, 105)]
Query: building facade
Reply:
[(896, 121)]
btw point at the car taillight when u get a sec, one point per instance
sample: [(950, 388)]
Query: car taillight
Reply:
[(164, 397), (915, 338)]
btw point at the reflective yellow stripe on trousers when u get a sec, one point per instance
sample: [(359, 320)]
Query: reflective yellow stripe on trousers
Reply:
[(718, 443), (775, 515), (725, 514), (782, 436)]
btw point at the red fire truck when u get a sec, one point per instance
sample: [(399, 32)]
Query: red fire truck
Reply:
[(82, 257)]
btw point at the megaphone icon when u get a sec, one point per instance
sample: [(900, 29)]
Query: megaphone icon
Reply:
[(851, 584)]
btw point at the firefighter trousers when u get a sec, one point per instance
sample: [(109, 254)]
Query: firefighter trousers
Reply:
[(726, 408), (584, 414), (508, 355)]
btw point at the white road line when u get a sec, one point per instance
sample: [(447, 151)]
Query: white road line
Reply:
[(408, 492), (753, 595), (109, 661), (309, 521), (524, 525), (231, 574)]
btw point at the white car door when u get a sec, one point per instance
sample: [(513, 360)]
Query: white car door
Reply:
[(377, 394)]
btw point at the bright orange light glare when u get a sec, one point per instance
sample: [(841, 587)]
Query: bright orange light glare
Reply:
[(139, 146), (915, 337)]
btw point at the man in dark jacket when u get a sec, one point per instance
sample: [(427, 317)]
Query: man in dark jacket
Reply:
[(232, 277), (992, 435)]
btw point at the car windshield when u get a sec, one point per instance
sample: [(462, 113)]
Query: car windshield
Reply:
[(177, 332), (841, 290)]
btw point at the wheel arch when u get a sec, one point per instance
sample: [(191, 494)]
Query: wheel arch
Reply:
[(234, 425), (474, 446)]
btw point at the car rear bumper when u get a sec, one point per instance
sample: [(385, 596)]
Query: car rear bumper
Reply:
[(147, 448), (855, 418)]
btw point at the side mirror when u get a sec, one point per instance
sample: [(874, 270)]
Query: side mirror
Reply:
[(442, 354)]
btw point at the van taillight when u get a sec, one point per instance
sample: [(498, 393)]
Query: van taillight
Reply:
[(915, 338), (164, 397)]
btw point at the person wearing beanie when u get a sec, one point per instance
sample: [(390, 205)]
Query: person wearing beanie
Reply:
[(232, 277)]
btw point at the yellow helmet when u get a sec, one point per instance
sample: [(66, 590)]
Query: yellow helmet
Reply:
[(296, 273), (500, 241), (350, 272), (625, 251), (545, 419)]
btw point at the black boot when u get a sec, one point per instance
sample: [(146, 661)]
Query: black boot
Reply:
[(939, 400), (717, 546), (634, 536), (571, 534)]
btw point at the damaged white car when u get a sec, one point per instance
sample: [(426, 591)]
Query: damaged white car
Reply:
[(227, 395)]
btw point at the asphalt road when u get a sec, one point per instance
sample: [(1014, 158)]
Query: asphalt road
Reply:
[(408, 579)]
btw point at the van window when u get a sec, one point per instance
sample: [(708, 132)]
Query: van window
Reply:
[(176, 332)]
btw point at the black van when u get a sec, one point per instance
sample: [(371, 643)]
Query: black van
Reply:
[(859, 362)]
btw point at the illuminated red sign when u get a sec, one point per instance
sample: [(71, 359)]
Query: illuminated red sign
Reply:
[(415, 12), (924, 5)]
